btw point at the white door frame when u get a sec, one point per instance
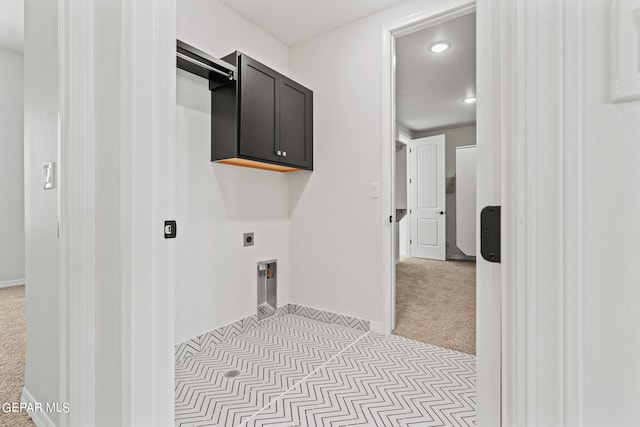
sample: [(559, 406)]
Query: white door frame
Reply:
[(537, 82), (76, 146), (147, 143), (148, 103)]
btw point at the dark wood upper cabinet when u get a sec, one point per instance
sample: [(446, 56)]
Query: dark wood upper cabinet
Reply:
[(296, 123), (262, 119)]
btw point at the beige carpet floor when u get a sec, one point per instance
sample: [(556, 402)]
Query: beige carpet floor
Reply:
[(436, 302), (12, 348)]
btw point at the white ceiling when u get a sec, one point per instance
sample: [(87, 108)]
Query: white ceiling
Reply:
[(294, 21), (290, 21), (430, 86), (12, 24)]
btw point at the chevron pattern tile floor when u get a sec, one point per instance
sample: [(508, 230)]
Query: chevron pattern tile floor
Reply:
[(296, 371)]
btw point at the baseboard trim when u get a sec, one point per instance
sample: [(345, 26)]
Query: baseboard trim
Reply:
[(198, 344), (461, 257), (377, 327), (10, 283), (329, 317), (39, 418)]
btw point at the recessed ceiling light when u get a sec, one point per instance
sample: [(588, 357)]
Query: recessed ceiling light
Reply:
[(438, 47), (469, 99)]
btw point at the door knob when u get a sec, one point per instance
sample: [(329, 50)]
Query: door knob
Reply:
[(441, 212)]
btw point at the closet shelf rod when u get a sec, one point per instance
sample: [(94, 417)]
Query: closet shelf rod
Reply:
[(229, 75)]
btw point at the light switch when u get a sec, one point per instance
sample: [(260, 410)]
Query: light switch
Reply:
[(48, 175), (375, 190)]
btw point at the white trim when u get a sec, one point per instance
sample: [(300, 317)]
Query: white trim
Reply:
[(147, 175), (458, 257), (126, 216), (489, 301), (39, 418), (10, 283), (403, 138), (517, 240), (573, 208), (77, 212), (389, 135), (377, 327), (541, 92), (430, 18)]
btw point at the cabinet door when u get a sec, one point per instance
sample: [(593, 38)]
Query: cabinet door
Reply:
[(258, 110), (296, 124)]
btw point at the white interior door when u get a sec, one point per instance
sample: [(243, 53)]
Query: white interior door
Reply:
[(427, 205)]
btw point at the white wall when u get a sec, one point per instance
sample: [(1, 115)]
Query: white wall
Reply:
[(336, 228), (41, 206), (212, 26), (454, 137), (11, 167), (611, 306), (215, 204)]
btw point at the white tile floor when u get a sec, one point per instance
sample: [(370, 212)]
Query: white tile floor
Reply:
[(294, 371)]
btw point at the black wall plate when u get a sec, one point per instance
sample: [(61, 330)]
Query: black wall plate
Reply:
[(170, 229), (490, 233)]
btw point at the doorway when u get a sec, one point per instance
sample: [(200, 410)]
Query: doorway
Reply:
[(12, 224), (436, 116), (488, 277)]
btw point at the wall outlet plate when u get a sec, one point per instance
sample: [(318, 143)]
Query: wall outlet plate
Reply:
[(247, 239)]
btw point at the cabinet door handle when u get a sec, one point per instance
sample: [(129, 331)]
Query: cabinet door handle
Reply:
[(284, 153), (279, 153)]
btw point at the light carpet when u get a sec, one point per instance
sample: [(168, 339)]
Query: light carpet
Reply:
[(436, 302), (12, 353)]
